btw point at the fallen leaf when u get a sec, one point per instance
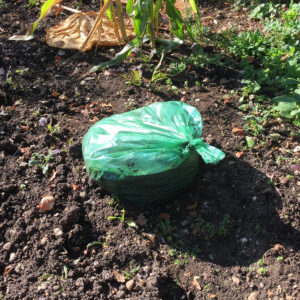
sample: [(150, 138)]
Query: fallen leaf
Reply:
[(238, 131), (46, 204)]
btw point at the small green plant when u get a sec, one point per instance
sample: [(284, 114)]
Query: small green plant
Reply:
[(146, 19), (131, 271), (121, 217), (41, 161), (33, 3), (134, 78), (53, 129), (262, 271), (280, 258)]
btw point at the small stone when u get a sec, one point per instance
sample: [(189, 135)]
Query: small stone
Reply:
[(82, 194), (44, 241), (43, 121), (120, 295), (61, 52), (244, 240), (19, 268), (79, 282), (42, 286), (12, 257), (297, 149), (236, 280), (130, 284), (253, 296), (7, 246), (56, 288), (47, 203), (57, 232)]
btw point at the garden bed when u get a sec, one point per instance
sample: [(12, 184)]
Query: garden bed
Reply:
[(234, 235)]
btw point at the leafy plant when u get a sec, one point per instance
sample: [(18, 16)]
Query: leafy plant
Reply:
[(288, 106), (146, 19), (134, 77), (41, 161)]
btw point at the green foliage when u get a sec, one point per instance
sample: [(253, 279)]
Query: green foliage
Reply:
[(270, 58), (265, 10), (288, 106), (41, 161)]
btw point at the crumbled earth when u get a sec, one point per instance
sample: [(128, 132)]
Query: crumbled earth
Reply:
[(235, 234)]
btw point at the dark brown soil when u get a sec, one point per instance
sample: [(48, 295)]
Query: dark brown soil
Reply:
[(234, 235)]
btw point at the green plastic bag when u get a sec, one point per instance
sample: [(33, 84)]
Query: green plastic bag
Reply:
[(148, 154)]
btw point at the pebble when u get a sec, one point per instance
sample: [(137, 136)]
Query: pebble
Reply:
[(82, 194), (61, 52), (7, 246), (42, 286), (130, 284), (253, 296), (44, 241), (57, 232), (12, 257), (297, 149), (244, 240), (19, 268), (235, 280)]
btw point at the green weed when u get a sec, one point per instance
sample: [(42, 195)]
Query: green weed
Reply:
[(41, 161)]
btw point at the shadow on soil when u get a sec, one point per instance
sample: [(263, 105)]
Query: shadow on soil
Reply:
[(230, 218)]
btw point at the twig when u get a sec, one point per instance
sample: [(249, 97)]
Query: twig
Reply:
[(73, 10)]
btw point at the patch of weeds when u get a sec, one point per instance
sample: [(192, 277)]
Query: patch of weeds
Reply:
[(262, 270), (122, 219), (265, 10), (134, 77), (279, 258), (269, 59), (165, 229), (180, 258), (33, 3), (45, 277), (211, 231), (175, 68), (53, 129), (131, 271), (158, 76), (41, 161), (3, 4)]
